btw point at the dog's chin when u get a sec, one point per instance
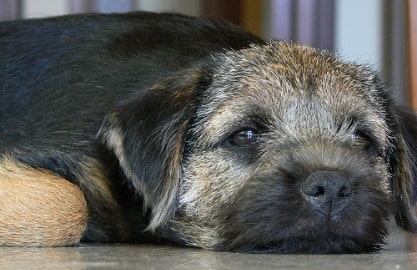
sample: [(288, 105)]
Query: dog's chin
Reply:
[(313, 235), (325, 245), (320, 240), (318, 244)]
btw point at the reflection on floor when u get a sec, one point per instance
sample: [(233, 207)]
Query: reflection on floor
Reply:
[(400, 253)]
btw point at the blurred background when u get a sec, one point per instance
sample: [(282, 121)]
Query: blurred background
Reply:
[(375, 32)]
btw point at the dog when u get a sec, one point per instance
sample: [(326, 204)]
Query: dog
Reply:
[(163, 128)]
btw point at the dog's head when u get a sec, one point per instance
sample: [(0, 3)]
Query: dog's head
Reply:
[(276, 148)]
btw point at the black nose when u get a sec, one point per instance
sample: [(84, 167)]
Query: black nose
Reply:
[(328, 192)]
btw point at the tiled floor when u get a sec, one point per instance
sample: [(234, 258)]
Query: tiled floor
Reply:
[(401, 253)]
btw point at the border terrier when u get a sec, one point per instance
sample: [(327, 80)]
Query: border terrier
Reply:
[(163, 128)]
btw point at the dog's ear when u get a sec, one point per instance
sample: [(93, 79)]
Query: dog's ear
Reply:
[(404, 184), (147, 135)]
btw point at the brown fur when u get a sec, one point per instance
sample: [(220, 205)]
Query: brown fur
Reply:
[(38, 207)]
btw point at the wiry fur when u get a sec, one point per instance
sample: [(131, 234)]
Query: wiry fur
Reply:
[(143, 112)]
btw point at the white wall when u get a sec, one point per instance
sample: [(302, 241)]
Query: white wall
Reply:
[(42, 8), (190, 7), (359, 31)]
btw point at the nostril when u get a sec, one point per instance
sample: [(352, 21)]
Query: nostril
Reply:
[(345, 191), (317, 191), (326, 184)]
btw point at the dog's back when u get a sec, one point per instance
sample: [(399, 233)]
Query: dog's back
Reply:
[(60, 76)]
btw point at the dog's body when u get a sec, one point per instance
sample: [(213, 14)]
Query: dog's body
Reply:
[(59, 79), (198, 132)]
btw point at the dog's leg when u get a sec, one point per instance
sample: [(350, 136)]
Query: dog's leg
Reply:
[(38, 208)]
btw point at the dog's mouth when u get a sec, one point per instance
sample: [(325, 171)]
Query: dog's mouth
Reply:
[(343, 231), (320, 236), (317, 235), (320, 244), (328, 213)]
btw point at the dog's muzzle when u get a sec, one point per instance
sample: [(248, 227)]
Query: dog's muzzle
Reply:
[(328, 193)]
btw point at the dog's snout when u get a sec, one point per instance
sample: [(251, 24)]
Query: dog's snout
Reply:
[(324, 184), (328, 192)]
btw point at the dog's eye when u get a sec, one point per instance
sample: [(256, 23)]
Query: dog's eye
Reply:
[(245, 137), (363, 138)]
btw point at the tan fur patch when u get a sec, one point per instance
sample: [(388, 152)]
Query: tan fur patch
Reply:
[(39, 208)]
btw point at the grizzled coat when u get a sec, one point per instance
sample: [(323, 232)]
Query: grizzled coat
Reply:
[(195, 131)]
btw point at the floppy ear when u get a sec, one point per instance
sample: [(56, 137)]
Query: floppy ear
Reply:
[(147, 135), (405, 176)]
